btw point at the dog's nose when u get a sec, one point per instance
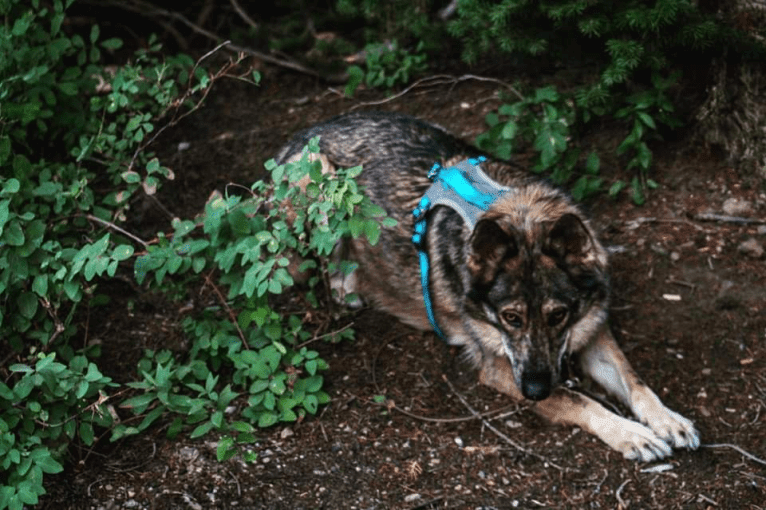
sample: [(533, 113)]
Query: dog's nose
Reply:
[(536, 385)]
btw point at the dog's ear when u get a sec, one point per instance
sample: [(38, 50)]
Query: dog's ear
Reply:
[(490, 244), (569, 242)]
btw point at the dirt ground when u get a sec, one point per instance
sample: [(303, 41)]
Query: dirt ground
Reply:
[(689, 308)]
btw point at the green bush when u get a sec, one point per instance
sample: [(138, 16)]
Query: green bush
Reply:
[(74, 148), (628, 54), (386, 65), (550, 123), (624, 42), (74, 138), (250, 242)]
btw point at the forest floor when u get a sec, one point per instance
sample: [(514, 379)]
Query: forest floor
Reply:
[(689, 309)]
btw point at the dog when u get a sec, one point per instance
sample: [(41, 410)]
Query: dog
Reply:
[(522, 286)]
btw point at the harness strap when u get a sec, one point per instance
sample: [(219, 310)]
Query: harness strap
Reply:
[(467, 190)]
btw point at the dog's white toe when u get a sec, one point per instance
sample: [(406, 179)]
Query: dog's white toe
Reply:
[(638, 442)]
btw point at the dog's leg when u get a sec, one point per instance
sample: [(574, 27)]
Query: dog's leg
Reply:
[(606, 364), (628, 437)]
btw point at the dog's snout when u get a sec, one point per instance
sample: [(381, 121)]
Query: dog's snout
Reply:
[(536, 385)]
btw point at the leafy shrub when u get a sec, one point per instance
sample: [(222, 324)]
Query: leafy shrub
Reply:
[(392, 18), (74, 137), (250, 241), (624, 41), (630, 35), (550, 123), (386, 65), (546, 121)]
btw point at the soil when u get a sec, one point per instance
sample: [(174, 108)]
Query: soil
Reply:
[(689, 309)]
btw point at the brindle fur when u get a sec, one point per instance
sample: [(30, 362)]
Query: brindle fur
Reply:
[(525, 289)]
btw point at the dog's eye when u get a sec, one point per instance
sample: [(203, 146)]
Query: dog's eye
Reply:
[(513, 319), (557, 316)]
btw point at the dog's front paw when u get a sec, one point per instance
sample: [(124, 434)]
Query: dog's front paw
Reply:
[(669, 425), (673, 428), (635, 441)]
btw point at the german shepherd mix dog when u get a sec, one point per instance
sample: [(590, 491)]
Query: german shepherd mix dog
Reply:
[(525, 290)]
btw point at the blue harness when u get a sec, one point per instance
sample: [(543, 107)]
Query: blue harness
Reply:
[(465, 189)]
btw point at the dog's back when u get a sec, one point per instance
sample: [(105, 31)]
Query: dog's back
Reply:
[(397, 151)]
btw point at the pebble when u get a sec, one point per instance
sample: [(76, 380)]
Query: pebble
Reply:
[(737, 207), (412, 497), (751, 248)]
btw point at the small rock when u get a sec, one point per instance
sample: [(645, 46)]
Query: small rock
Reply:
[(412, 497), (286, 432), (761, 230), (752, 248), (736, 207)]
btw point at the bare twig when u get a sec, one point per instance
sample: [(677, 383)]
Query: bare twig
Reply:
[(497, 432), (389, 404), (232, 316), (458, 419), (243, 14), (178, 102), (635, 223), (438, 79), (317, 337), (723, 218), (150, 10), (621, 504), (118, 229), (702, 497), (738, 449)]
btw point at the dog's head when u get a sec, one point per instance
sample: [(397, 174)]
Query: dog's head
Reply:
[(540, 280)]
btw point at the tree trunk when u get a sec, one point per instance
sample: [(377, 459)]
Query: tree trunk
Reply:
[(734, 113)]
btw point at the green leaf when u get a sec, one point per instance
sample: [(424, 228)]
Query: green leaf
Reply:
[(114, 43), (86, 433), (646, 119), (225, 449), (592, 163), (201, 430), (615, 188), (311, 404), (40, 285), (313, 383), (122, 252), (94, 32), (26, 493), (355, 78), (27, 302), (267, 419), (637, 192), (13, 234), (546, 94)]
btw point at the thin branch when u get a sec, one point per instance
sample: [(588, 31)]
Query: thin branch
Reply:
[(439, 79), (149, 10), (497, 432), (724, 218), (621, 504), (243, 14), (316, 337), (118, 229), (457, 419), (178, 102), (232, 317), (738, 449)]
